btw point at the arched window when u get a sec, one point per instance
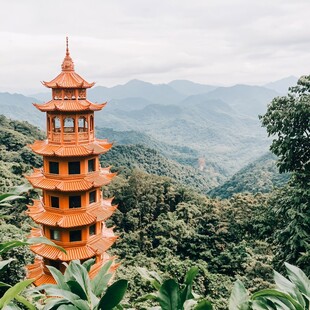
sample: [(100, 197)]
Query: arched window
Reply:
[(68, 124), (56, 124), (82, 124), (91, 123)]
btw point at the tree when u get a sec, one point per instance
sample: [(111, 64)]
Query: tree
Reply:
[(288, 119)]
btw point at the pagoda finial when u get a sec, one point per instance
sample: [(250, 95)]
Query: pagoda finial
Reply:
[(67, 64), (67, 46)]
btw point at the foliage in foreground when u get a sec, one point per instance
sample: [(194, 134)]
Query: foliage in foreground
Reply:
[(75, 290), (172, 295), (290, 294)]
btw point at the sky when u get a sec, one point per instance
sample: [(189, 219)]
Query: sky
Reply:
[(218, 42)]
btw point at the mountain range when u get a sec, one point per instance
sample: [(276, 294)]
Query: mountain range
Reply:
[(219, 124)]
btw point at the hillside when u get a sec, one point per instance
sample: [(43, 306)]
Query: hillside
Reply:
[(15, 157), (261, 176), (125, 158)]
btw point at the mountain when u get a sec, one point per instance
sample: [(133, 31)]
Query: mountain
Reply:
[(156, 93), (260, 176), (189, 88), (19, 107), (281, 86), (245, 99)]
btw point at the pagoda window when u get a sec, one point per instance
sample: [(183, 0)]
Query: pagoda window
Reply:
[(75, 235), (56, 124), (92, 230), (75, 202), (92, 197), (82, 124), (91, 123), (74, 167), (54, 167), (48, 124), (91, 165), (69, 94), (54, 202), (68, 124), (55, 234), (54, 263)]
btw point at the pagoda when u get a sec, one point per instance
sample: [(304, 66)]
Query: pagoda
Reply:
[(71, 211)]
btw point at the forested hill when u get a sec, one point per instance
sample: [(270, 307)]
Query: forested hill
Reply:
[(15, 157), (125, 158), (257, 177)]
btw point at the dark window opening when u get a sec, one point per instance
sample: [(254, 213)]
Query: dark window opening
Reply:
[(55, 234), (54, 263), (92, 230), (54, 167), (91, 123), (74, 201), (75, 235), (91, 165), (92, 197), (74, 167), (54, 202)]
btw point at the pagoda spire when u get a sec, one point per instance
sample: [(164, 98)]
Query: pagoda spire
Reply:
[(67, 64)]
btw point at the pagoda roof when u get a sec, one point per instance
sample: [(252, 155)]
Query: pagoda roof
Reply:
[(98, 245), (42, 147), (66, 105), (71, 218), (68, 78), (94, 179)]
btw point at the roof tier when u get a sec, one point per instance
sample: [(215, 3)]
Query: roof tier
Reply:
[(69, 105), (36, 270), (96, 246), (42, 147), (71, 218), (94, 179)]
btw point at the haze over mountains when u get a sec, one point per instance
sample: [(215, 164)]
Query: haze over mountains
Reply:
[(218, 124)]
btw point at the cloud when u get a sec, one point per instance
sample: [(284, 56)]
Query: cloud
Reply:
[(214, 42)]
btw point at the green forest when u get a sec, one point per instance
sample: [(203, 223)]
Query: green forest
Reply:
[(175, 220)]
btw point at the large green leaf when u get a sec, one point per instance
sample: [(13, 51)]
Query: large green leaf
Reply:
[(59, 278), (298, 277), (10, 197), (25, 302), (288, 287), (239, 297), (274, 293), (13, 291), (87, 264), (6, 246), (68, 296), (76, 288), (101, 280), (169, 295), (113, 296), (189, 278)]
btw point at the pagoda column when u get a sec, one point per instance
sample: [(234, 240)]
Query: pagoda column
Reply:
[(71, 211)]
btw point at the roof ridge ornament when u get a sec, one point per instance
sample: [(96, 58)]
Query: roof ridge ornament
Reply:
[(67, 64)]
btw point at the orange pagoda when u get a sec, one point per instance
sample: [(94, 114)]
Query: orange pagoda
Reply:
[(71, 211)]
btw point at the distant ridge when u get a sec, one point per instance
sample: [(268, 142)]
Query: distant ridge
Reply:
[(282, 85)]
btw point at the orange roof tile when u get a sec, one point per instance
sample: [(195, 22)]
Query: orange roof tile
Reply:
[(68, 220), (69, 105), (95, 179), (96, 147), (68, 79)]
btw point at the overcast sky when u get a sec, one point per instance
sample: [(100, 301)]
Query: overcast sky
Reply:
[(222, 42)]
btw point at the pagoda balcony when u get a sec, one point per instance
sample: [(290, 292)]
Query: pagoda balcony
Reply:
[(70, 137)]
